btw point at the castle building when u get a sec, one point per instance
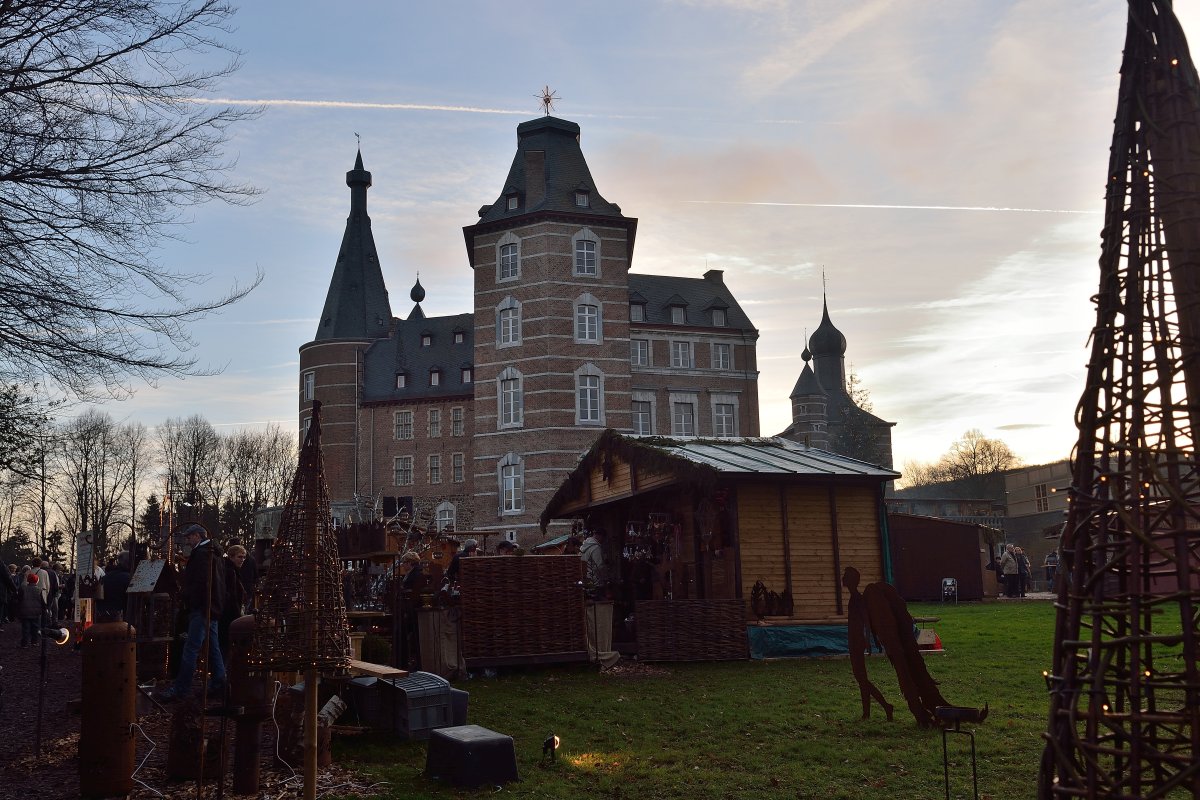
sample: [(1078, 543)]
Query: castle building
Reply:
[(824, 415), (474, 419)]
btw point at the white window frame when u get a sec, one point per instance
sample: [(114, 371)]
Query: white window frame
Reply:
[(589, 395), (726, 399), (588, 305), (435, 423), (580, 266), (402, 423), (446, 516), (513, 416), (690, 399), (458, 463), (720, 319), (435, 377), (510, 481), (508, 323), (426, 340), (457, 417), (683, 354), (637, 312), (583, 198), (459, 337), (678, 315), (725, 363), (512, 202), (508, 270), (639, 352), (309, 386), (401, 380), (435, 468), (402, 468), (649, 399), (467, 374)]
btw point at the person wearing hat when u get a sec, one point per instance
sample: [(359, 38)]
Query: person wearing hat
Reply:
[(31, 608), (469, 548), (204, 597)]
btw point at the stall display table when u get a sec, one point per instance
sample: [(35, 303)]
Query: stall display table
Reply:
[(470, 755)]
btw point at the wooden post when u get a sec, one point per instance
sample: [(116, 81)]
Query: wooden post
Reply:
[(310, 733), (787, 541), (837, 549)]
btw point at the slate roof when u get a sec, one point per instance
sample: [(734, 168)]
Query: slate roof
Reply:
[(402, 352), (356, 305), (565, 171), (698, 296)]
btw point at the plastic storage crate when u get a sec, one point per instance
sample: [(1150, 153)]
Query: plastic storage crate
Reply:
[(366, 698), (419, 702)]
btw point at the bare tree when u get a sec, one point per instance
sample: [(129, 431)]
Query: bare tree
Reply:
[(189, 450), (975, 464), (95, 475), (101, 146)]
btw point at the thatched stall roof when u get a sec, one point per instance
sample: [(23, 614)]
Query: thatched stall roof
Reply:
[(703, 462)]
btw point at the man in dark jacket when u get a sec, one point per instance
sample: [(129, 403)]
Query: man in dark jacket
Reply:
[(8, 595), (203, 593), (116, 585)]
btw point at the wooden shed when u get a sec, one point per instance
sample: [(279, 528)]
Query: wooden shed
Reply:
[(713, 535), (926, 550)]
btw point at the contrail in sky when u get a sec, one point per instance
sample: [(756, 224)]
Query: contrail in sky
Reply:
[(225, 101), (882, 206)]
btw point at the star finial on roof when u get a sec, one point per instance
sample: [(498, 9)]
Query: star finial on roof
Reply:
[(547, 98), (358, 139)]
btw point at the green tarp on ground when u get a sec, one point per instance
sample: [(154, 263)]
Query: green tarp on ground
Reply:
[(795, 641)]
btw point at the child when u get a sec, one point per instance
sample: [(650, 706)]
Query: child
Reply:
[(30, 608)]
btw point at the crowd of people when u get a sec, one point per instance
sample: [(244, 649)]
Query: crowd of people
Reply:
[(37, 595)]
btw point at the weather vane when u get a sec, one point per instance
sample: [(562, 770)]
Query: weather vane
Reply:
[(547, 97), (358, 139)]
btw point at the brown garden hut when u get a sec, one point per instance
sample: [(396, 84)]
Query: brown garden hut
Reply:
[(926, 551), (728, 543)]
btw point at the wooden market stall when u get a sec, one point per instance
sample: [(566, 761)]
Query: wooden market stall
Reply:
[(716, 543)]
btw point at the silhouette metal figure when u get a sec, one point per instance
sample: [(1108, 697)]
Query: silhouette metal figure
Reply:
[(859, 637)]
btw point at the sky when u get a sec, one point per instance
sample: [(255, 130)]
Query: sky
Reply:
[(940, 162)]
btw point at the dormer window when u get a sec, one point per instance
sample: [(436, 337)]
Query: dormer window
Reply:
[(678, 315), (718, 318), (511, 202), (401, 380), (459, 337), (637, 313), (466, 374), (583, 198), (435, 377), (426, 340)]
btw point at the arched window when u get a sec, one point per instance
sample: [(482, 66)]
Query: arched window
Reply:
[(508, 322), (445, 515), (510, 475), (589, 320), (508, 257), (589, 395), (510, 399), (586, 246)]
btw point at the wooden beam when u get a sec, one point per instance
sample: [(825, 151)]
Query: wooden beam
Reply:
[(787, 542), (837, 550)]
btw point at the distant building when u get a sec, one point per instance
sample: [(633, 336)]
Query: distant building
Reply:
[(823, 413), (473, 420)]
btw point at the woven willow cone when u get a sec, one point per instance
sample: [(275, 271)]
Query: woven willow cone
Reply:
[(1125, 686), (302, 618)]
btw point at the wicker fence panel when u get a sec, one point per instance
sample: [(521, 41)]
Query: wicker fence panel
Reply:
[(692, 630), (522, 609)]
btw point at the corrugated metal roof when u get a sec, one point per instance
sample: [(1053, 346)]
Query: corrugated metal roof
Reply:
[(767, 456)]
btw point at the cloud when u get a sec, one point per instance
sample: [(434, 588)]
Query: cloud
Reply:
[(894, 207)]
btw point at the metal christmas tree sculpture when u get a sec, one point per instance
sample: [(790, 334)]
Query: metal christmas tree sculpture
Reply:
[(1125, 688), (302, 619)]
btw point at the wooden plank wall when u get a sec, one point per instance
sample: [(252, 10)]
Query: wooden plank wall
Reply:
[(810, 534)]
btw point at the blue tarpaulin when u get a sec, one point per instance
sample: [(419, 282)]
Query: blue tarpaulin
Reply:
[(780, 641)]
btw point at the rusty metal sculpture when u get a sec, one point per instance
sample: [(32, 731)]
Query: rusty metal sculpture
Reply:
[(301, 624), (1125, 687), (859, 636)]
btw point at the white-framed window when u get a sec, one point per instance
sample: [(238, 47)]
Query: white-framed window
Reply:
[(402, 425), (459, 337), (310, 385), (401, 380), (678, 315), (642, 420), (446, 515), (456, 421), (637, 312), (639, 352), (1041, 497), (683, 418), (435, 422), (511, 202), (426, 340), (722, 356), (589, 320), (435, 468), (583, 198), (725, 421), (466, 375), (508, 257), (305, 425), (589, 395), (508, 322), (510, 403), (681, 355), (435, 377), (586, 246), (719, 318), (402, 468), (457, 463), (511, 476)]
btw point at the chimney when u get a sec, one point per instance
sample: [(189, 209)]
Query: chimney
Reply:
[(716, 276)]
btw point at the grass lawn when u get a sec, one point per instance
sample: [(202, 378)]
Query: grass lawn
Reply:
[(787, 728)]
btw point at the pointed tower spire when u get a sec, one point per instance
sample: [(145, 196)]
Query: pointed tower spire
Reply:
[(828, 347), (356, 306)]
